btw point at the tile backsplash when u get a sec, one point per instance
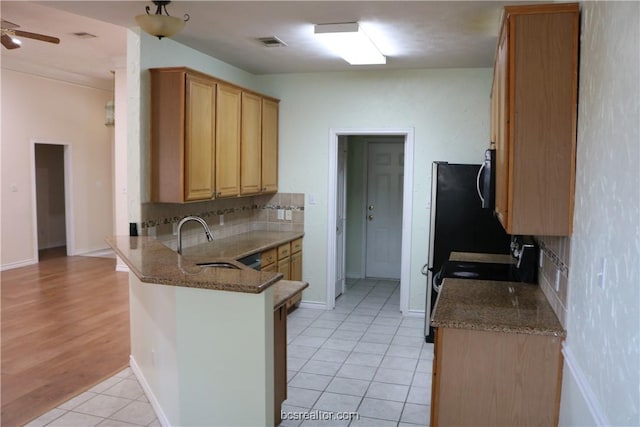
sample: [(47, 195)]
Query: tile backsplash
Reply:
[(225, 217), (553, 275)]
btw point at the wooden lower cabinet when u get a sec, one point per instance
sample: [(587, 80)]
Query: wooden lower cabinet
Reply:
[(280, 360), (495, 379), (285, 259)]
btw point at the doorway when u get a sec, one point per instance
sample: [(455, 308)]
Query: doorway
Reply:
[(383, 212), (51, 198)]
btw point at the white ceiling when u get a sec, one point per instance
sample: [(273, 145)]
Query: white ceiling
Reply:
[(413, 34)]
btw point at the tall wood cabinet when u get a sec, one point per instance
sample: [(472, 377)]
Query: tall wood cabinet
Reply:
[(251, 144), (228, 141), (533, 118), (269, 173), (183, 111), (209, 138)]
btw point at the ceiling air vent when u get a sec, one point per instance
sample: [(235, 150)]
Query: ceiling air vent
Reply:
[(272, 41)]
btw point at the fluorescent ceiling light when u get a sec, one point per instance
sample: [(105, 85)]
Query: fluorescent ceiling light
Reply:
[(350, 42)]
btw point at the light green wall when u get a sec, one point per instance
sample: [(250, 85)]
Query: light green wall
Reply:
[(356, 190), (447, 108)]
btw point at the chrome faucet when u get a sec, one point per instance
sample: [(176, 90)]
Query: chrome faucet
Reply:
[(192, 218)]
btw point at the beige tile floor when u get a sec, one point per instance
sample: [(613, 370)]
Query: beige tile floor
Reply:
[(363, 357), (116, 402)]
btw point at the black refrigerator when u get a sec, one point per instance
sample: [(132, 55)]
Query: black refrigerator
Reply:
[(458, 223)]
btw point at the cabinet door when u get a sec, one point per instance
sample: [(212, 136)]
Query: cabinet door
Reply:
[(502, 128), (296, 266), (269, 146), (250, 144), (199, 138), (284, 267), (496, 379), (228, 141)]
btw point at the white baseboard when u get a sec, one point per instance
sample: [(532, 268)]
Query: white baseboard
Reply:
[(414, 313), (314, 305), (162, 418), (18, 264), (99, 253), (124, 268), (583, 385)]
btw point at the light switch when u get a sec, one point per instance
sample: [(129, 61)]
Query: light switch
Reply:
[(287, 215), (281, 214)]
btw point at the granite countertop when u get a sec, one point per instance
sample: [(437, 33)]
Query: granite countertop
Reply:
[(487, 305), (240, 245), (482, 257), (284, 290), (154, 262)]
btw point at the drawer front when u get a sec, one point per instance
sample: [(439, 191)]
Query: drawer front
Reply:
[(296, 245), (269, 257), (284, 251)]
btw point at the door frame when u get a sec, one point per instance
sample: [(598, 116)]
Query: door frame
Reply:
[(407, 203), (68, 196)]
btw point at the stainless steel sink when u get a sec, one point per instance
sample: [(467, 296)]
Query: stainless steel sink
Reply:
[(220, 264)]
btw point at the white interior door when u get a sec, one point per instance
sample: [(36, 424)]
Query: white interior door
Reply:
[(385, 177), (341, 218)]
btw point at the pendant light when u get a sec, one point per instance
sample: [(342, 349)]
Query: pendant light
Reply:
[(158, 24)]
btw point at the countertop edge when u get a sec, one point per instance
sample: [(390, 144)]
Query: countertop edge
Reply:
[(193, 282), (498, 328), (284, 290)]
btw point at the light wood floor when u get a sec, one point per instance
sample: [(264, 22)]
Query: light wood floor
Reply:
[(65, 328)]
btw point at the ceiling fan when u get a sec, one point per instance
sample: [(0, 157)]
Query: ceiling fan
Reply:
[(10, 33)]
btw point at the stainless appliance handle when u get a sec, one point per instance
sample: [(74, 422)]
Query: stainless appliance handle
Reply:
[(435, 278), (425, 269), (478, 182)]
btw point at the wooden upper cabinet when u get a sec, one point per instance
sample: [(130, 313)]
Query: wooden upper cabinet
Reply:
[(228, 140), (209, 138), (535, 116), (269, 146), (182, 135), (200, 138), (251, 144)]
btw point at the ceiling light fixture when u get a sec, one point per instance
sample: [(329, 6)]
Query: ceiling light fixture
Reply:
[(350, 42), (160, 25)]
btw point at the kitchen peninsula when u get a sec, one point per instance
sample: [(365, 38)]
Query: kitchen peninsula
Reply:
[(202, 338)]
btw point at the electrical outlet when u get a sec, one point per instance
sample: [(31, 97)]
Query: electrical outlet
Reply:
[(175, 228), (221, 219), (281, 214), (558, 274), (541, 259), (287, 215), (151, 232)]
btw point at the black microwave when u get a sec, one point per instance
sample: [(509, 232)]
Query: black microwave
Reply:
[(486, 180)]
